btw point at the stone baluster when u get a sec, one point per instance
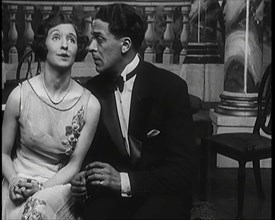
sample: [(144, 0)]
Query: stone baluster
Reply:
[(90, 10), (168, 37), (13, 35), (28, 35), (46, 10), (67, 9), (185, 32), (28, 32), (149, 54)]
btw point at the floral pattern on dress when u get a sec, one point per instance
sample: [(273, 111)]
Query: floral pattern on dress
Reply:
[(32, 211), (72, 132)]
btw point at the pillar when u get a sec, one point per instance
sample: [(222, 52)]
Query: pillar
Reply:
[(243, 59)]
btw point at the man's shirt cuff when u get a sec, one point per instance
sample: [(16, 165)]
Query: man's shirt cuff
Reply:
[(125, 185)]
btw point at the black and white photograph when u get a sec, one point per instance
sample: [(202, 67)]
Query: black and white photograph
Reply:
[(136, 109)]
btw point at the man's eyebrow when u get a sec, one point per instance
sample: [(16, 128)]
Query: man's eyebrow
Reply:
[(97, 33)]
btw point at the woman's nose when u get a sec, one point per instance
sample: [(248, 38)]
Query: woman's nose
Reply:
[(64, 44)]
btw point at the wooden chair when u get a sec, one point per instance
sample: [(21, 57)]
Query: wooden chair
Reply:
[(243, 147), (27, 57), (11, 84)]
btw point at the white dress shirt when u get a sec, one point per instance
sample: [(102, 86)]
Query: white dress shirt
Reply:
[(123, 101)]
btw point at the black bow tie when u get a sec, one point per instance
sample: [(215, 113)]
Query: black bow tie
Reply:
[(119, 82)]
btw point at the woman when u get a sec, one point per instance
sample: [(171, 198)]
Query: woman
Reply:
[(56, 119)]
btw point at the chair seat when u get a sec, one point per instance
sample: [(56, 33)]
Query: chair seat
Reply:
[(241, 146)]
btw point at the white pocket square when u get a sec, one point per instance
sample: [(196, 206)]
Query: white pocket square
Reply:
[(153, 133)]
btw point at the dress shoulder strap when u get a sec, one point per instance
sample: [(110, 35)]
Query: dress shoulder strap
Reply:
[(86, 97), (20, 98)]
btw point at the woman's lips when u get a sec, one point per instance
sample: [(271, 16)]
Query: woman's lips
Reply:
[(63, 55)]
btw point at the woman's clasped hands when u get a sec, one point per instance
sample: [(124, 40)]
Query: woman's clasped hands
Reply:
[(20, 189)]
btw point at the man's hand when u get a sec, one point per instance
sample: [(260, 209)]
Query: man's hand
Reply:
[(103, 174), (78, 187)]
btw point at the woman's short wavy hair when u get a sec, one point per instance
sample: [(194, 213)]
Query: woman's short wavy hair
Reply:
[(56, 18), (124, 21)]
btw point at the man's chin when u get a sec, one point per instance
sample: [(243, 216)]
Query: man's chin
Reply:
[(100, 69)]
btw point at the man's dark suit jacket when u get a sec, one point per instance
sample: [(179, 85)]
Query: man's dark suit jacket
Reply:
[(159, 101)]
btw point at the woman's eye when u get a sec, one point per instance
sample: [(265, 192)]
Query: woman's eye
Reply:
[(72, 40), (55, 38)]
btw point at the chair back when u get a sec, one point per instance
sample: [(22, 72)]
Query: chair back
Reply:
[(264, 114), (28, 55)]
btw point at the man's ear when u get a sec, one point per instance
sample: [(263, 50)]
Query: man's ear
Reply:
[(126, 44)]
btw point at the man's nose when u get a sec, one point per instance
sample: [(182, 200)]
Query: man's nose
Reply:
[(93, 46)]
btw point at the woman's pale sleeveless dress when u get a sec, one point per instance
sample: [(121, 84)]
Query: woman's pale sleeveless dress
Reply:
[(47, 139)]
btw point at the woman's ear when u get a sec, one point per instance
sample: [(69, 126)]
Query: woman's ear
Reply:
[(126, 44)]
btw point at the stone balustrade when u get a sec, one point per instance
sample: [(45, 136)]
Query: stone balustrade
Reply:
[(30, 9)]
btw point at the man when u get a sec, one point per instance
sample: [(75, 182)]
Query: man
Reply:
[(141, 162)]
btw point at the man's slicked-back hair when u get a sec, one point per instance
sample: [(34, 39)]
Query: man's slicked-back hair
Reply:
[(124, 21), (56, 18)]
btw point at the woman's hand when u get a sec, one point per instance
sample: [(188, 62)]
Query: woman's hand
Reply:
[(16, 194), (29, 188)]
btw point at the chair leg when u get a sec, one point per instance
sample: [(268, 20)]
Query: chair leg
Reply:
[(241, 186), (258, 179)]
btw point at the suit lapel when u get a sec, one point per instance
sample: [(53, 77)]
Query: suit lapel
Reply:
[(111, 121), (140, 103)]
